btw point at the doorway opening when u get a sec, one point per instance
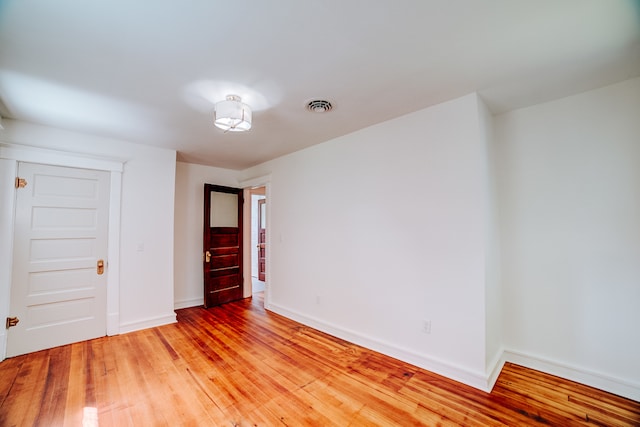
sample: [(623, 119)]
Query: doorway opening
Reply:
[(258, 239)]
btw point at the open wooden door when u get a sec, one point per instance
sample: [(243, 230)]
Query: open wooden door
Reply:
[(222, 245), (262, 235)]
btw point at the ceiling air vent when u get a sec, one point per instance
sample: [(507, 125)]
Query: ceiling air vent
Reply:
[(319, 106)]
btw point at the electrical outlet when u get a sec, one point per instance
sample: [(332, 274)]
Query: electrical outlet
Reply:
[(426, 326)]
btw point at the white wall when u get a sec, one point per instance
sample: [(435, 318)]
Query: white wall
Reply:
[(189, 207), (147, 220), (493, 289), (374, 232), (569, 173)]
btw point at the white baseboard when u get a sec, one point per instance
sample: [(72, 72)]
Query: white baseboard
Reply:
[(494, 368), (608, 383), (186, 303), (3, 346), (466, 376), (113, 324), (147, 323), (479, 380)]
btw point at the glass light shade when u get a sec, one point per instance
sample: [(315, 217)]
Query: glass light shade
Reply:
[(231, 115)]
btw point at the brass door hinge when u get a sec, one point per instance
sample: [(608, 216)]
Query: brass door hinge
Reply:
[(21, 182), (11, 321)]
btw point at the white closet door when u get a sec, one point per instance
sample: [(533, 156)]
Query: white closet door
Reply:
[(58, 289)]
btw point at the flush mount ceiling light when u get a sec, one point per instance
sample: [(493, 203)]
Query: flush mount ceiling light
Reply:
[(231, 115)]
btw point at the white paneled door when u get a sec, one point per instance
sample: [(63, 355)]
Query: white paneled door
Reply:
[(58, 290)]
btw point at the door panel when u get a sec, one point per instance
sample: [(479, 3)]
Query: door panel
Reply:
[(262, 239), (222, 244), (224, 261), (224, 238), (61, 231)]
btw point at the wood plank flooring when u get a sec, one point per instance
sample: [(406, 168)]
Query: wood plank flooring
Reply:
[(237, 365)]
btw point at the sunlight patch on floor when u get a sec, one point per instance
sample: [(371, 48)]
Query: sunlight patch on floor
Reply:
[(89, 417)]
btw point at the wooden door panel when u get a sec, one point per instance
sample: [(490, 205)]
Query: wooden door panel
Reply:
[(224, 237), (222, 244), (262, 239), (224, 281), (223, 287), (223, 251), (224, 261)]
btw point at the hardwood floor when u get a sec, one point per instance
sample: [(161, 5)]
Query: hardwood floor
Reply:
[(238, 365)]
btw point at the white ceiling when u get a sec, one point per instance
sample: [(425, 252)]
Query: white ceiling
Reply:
[(150, 71)]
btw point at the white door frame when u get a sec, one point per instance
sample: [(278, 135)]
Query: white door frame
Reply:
[(248, 184), (10, 155)]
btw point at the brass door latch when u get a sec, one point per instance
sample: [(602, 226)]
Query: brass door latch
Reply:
[(206, 257), (11, 321), (100, 267)]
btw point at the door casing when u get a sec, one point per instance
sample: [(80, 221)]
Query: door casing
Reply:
[(260, 181), (262, 217), (10, 155)]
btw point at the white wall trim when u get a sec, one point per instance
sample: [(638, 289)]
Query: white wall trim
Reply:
[(247, 247), (494, 368), (113, 322), (7, 199), (26, 153), (147, 323), (113, 279), (23, 153), (258, 181), (457, 373), (608, 383), (261, 181), (189, 302), (268, 239)]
